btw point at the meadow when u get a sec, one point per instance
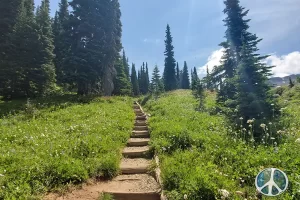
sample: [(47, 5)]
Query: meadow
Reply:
[(47, 144), (200, 157)]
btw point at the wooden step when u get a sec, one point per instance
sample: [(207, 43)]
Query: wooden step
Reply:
[(137, 142), (135, 166), (136, 106), (134, 187), (140, 123), (140, 128), (140, 134), (142, 117), (135, 152)]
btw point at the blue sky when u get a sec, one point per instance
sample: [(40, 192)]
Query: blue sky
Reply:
[(197, 29)]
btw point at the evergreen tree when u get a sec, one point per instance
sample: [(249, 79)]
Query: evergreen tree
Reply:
[(185, 84), (291, 83), (195, 79), (178, 76), (147, 77), (61, 41), (251, 96), (199, 93), (95, 32), (9, 11), (170, 82), (134, 81), (45, 78), (125, 64), (121, 84), (157, 86)]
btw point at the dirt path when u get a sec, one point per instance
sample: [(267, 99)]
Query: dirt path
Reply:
[(134, 182)]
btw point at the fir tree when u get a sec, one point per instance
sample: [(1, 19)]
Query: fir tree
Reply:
[(134, 81), (61, 41), (178, 76), (170, 82), (125, 64), (147, 77), (185, 84), (121, 84), (195, 79), (157, 86), (199, 93), (251, 96), (291, 83)]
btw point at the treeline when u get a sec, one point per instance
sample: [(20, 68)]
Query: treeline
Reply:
[(78, 50)]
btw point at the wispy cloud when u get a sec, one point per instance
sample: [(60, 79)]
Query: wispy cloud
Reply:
[(152, 41)]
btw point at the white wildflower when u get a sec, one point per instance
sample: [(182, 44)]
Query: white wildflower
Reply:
[(263, 125), (298, 140), (185, 196), (224, 193), (241, 118)]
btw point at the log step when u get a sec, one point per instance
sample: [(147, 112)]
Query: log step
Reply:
[(141, 128), (135, 152), (142, 117), (134, 187), (140, 123), (140, 134), (135, 166), (138, 142)]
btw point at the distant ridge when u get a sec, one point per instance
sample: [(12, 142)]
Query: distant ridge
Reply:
[(280, 81)]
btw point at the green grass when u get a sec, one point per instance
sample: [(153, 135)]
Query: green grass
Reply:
[(198, 157), (65, 140)]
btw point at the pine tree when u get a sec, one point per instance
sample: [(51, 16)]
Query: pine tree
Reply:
[(185, 84), (147, 77), (251, 98), (195, 79), (121, 84), (61, 41), (126, 65), (291, 83), (170, 82), (9, 11), (199, 93), (157, 86), (45, 78), (178, 76), (95, 32), (134, 81)]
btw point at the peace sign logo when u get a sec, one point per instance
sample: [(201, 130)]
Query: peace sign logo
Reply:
[(271, 182)]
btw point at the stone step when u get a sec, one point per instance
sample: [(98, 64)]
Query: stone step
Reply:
[(135, 166), (140, 123), (136, 152), (134, 187), (142, 117), (140, 128), (140, 134), (138, 142)]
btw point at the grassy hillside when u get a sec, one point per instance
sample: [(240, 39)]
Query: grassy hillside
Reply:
[(199, 158), (57, 141)]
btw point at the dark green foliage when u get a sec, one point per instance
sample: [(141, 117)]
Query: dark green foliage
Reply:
[(121, 84), (126, 65), (134, 81), (157, 85), (170, 63), (199, 94), (61, 41), (178, 76), (96, 43), (291, 83), (185, 81), (195, 79), (143, 79)]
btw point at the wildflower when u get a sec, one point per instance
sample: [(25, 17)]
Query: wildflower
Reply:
[(275, 143), (270, 123), (224, 193), (250, 121), (185, 196), (272, 138), (244, 129), (263, 125), (235, 110), (298, 140), (1, 175), (164, 149), (241, 118), (272, 104), (250, 125)]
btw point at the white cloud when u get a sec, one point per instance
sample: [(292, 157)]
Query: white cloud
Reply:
[(213, 60), (285, 65)]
